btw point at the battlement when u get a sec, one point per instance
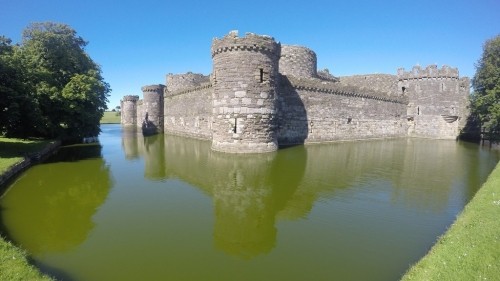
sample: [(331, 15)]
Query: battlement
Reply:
[(153, 88), (132, 98), (251, 42), (430, 72)]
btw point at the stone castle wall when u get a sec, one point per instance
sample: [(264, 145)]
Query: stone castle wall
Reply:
[(188, 112), (379, 82), (437, 101), (129, 110), (262, 94), (178, 82), (244, 78), (298, 61), (318, 112)]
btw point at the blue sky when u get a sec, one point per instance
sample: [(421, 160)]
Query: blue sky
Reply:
[(138, 42)]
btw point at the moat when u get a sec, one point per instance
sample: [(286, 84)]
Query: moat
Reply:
[(169, 208)]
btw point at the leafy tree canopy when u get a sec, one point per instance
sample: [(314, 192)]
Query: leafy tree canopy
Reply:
[(486, 83), (57, 80)]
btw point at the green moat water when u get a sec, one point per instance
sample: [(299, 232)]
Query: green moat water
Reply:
[(168, 208)]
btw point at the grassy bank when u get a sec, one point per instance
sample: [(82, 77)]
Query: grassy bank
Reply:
[(14, 263), (470, 249), (12, 151), (110, 117)]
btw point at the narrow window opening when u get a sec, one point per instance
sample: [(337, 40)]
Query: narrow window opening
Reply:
[(261, 75), (403, 89), (349, 120), (235, 125), (418, 110)]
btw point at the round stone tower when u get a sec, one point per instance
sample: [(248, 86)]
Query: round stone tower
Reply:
[(129, 110), (152, 108), (298, 61), (244, 79)]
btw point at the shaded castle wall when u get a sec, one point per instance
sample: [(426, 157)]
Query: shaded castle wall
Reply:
[(437, 101), (244, 77), (178, 82), (189, 112), (317, 112), (378, 82)]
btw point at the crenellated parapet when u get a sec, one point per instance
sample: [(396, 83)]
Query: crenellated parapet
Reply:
[(131, 98), (251, 43), (430, 72)]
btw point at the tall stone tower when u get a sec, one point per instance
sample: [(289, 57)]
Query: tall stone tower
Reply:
[(438, 100), (129, 110), (244, 79), (152, 109), (298, 61)]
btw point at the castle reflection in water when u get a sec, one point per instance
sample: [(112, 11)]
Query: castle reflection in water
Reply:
[(251, 192)]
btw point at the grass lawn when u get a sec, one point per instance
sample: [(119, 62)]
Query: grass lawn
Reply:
[(14, 264), (110, 117), (470, 249), (13, 150)]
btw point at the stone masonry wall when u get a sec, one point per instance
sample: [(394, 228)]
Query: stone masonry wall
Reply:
[(153, 108), (129, 110), (322, 113), (379, 82), (437, 101), (177, 82), (298, 61), (189, 112), (244, 77), (261, 95)]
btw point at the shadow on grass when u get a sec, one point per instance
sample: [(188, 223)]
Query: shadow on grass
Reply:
[(10, 149)]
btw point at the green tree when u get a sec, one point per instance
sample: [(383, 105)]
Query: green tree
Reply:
[(486, 83), (18, 111), (65, 85)]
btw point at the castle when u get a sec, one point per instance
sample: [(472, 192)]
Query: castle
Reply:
[(262, 95)]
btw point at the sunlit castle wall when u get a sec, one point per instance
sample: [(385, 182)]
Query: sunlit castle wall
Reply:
[(188, 105), (437, 105), (244, 78), (153, 106), (298, 61), (129, 110)]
